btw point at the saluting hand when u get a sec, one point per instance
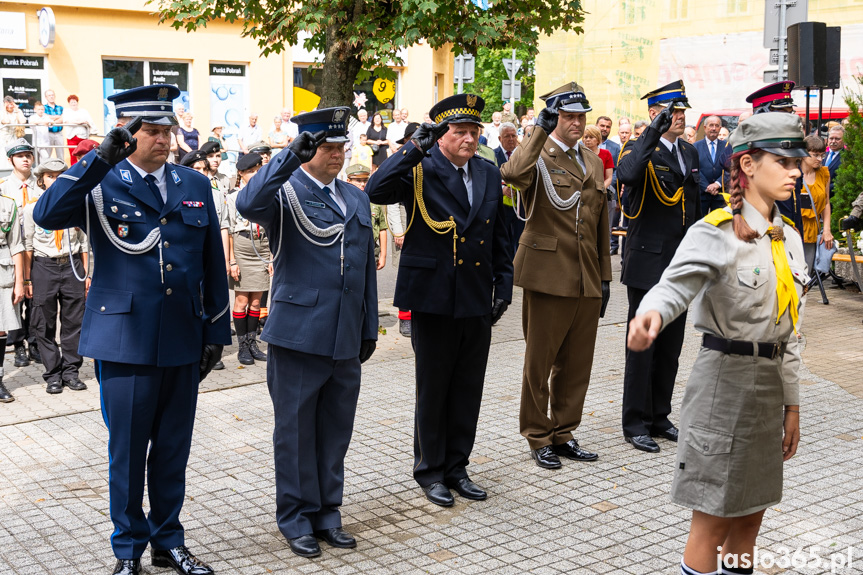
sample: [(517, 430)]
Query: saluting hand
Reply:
[(305, 146), (663, 120), (547, 120), (427, 134), (119, 143), (643, 330)]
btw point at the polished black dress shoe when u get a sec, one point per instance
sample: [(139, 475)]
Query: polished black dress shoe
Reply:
[(670, 434), (54, 387), (337, 537), (180, 560), (305, 546), (127, 567), (643, 443), (219, 366), (545, 457), (75, 384), (438, 494), (571, 450), (468, 489), (21, 359)]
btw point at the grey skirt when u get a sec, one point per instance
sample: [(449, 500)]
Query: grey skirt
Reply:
[(729, 458), (253, 272)]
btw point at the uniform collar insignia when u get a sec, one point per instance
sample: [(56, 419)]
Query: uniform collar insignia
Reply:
[(126, 175), (175, 176)]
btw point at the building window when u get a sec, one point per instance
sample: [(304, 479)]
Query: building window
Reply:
[(679, 10), (738, 6), (121, 75)]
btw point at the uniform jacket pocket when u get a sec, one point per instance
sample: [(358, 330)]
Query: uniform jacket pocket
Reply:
[(646, 245), (417, 261), (752, 276), (297, 295), (109, 302), (708, 453), (196, 217), (538, 241)]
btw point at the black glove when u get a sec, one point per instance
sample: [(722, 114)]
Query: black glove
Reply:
[(663, 120), (606, 295), (547, 120), (851, 223), (305, 146), (367, 348), (427, 134), (210, 356), (113, 148), (497, 310)]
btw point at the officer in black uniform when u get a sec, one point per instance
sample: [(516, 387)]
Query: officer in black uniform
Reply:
[(660, 172), (455, 275)]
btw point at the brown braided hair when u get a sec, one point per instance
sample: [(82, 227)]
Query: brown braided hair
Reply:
[(739, 183)]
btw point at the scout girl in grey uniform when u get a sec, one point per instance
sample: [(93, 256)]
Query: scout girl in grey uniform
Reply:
[(744, 268), (11, 277), (249, 275)]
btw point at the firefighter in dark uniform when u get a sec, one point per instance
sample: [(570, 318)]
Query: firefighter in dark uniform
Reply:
[(660, 172), (455, 275), (156, 316)]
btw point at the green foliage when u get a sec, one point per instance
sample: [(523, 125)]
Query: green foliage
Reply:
[(361, 35), (849, 176), (490, 73)]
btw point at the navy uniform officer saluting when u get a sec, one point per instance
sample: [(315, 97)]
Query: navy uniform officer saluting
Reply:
[(743, 270), (156, 315), (323, 321)]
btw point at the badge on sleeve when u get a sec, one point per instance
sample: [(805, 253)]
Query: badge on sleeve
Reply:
[(175, 176), (122, 230), (126, 175)]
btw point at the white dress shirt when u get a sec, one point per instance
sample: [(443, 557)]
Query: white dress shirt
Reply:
[(331, 189), (160, 179)]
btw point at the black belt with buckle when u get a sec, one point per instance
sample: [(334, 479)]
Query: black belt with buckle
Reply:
[(736, 347), (59, 260)]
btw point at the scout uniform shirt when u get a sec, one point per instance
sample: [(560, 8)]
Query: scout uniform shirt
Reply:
[(24, 193), (51, 243), (220, 183), (379, 223)]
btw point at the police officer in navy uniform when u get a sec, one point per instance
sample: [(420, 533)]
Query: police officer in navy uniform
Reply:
[(323, 321), (660, 172), (156, 315), (456, 279)]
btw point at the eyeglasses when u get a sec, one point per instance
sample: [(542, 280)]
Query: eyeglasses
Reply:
[(817, 156)]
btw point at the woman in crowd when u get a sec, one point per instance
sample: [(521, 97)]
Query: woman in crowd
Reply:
[(277, 138), (815, 182), (12, 122), (187, 137), (216, 135), (249, 275), (591, 138), (377, 139), (82, 125), (743, 268)]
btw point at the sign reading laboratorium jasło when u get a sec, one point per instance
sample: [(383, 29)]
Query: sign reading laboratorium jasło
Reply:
[(174, 73)]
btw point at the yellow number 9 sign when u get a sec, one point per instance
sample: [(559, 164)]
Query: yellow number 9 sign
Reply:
[(384, 90)]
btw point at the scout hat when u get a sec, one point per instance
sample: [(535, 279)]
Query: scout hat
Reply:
[(192, 157), (774, 97), (210, 147), (458, 109), (332, 121), (249, 161), (357, 170), (84, 147), (775, 132), (155, 104), (673, 92), (409, 131), (19, 146), (50, 165), (260, 148), (568, 98)]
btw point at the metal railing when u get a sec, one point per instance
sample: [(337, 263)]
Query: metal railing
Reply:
[(38, 146)]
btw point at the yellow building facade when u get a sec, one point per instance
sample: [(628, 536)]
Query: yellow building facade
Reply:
[(103, 46), (630, 47)]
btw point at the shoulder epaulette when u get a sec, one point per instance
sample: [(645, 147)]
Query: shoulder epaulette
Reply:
[(788, 221), (718, 217)]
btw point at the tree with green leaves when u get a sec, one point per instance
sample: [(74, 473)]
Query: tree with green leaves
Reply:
[(849, 176), (489, 74), (361, 37)]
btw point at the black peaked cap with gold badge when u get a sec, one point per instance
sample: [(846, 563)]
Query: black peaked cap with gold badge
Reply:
[(461, 108)]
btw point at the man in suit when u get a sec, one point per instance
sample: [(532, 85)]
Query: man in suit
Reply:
[(457, 283), (660, 172), (835, 145), (713, 155), (156, 314), (323, 321), (564, 266), (508, 144)]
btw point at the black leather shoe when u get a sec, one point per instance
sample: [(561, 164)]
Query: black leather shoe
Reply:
[(670, 434), (405, 327), (219, 366), (571, 450), (180, 560), (75, 384), (127, 567), (545, 457), (54, 387), (643, 443), (438, 494), (337, 537), (257, 354), (305, 546), (468, 489), (35, 355), (21, 359), (5, 396)]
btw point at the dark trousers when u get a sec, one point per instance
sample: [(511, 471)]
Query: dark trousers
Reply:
[(55, 283), (314, 401), (451, 357), (648, 381), (147, 406), (17, 337), (613, 221), (514, 225), (709, 202)]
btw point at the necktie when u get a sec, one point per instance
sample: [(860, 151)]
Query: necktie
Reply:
[(58, 240), (332, 195), (829, 158), (508, 154), (571, 153), (25, 199), (151, 183), (462, 174), (214, 183), (713, 152), (786, 294)]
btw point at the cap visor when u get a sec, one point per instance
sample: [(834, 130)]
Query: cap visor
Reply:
[(789, 153), (337, 139), (574, 108)]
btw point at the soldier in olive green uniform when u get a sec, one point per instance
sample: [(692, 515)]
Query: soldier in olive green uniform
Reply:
[(358, 175)]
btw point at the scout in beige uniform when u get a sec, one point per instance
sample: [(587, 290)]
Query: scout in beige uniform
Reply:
[(53, 282), (11, 278), (564, 266), (744, 269)]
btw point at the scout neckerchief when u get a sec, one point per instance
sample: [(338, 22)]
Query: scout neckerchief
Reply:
[(786, 293), (58, 239)]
